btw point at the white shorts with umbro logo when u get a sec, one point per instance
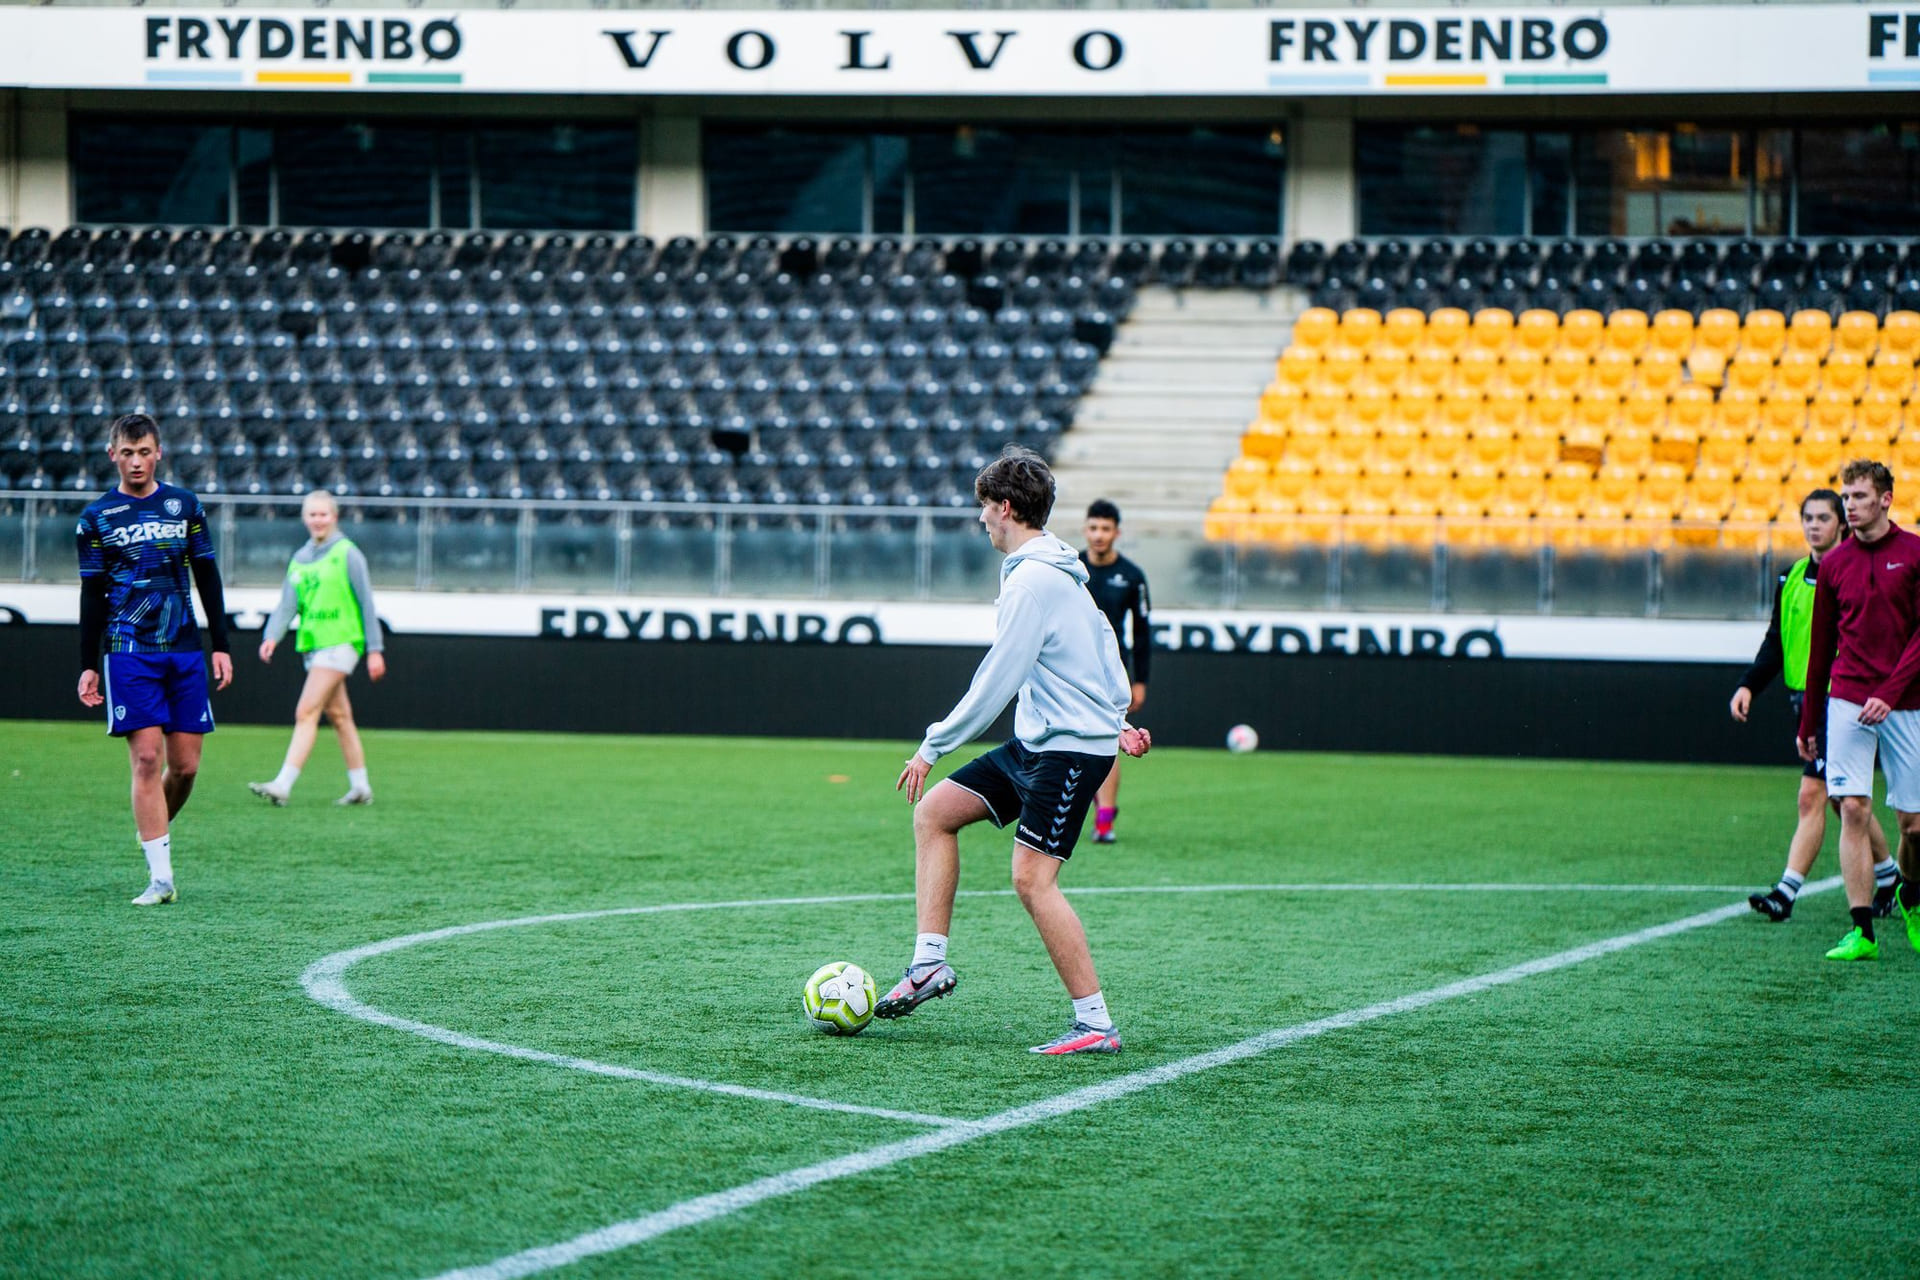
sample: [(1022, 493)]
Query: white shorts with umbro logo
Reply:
[(1850, 750)]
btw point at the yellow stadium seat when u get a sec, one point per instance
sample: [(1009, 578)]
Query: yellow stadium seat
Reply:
[(1583, 444), (1264, 438), (1568, 368), (1707, 367), (1662, 487), (1428, 483), (1416, 407), (1878, 416), (1535, 445), (1478, 368), (1447, 327), (1272, 518), (1227, 518), (1690, 407), (1764, 331), (1892, 375), (1786, 413), (1616, 485), (1490, 443), (1678, 446), (1805, 479), (1582, 330), (1446, 442), (1371, 404), (1757, 498), (1865, 442), (1750, 370), (1900, 336), (1474, 486), (1627, 330), (1491, 330), (1537, 331), (1797, 374), (1810, 331), (1406, 329), (1310, 438), (1280, 402), (1904, 456), (1507, 406), (1631, 448), (1341, 364), (1338, 478), (1290, 476), (1522, 369), (1523, 484), (1644, 409), (1831, 411), (1552, 407), (1387, 366), (1569, 481), (1432, 367), (1717, 330), (1462, 409), (1770, 452), (1352, 439), (1246, 477), (1596, 409), (1399, 442), (1738, 410), (1858, 332), (1672, 333), (1507, 524), (1820, 449), (1720, 447), (1659, 371), (1359, 327), (1711, 488), (1845, 371), (1613, 370), (1319, 518), (1299, 364), (1368, 520), (1315, 328)]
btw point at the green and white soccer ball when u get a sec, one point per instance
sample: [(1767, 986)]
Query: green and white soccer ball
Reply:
[(839, 998)]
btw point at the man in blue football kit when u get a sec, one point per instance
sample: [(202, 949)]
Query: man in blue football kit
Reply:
[(140, 653)]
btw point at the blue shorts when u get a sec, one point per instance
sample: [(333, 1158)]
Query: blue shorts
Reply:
[(147, 689)]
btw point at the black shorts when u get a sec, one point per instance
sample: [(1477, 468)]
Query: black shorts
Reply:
[(1048, 791), (1816, 767)]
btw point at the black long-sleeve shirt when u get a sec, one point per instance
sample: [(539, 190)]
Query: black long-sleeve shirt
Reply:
[(1120, 589)]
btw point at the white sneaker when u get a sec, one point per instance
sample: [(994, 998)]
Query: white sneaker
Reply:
[(158, 891), (267, 791), (357, 795)]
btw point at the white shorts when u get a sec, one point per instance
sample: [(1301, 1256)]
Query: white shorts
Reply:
[(1850, 748), (344, 658)]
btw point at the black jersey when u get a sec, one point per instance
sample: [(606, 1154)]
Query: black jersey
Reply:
[(1120, 589)]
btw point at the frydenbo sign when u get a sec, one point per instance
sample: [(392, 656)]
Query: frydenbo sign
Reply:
[(1644, 49)]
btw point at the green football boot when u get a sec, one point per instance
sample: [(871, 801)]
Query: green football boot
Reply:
[(1855, 946), (1911, 916)]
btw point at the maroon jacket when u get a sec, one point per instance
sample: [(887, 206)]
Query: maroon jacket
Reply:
[(1866, 627)]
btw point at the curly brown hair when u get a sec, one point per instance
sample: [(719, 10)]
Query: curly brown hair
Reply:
[(1021, 477)]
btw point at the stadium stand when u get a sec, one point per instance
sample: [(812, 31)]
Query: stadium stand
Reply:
[(857, 373), (1611, 395)]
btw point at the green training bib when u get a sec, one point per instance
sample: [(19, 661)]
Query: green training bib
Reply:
[(330, 612)]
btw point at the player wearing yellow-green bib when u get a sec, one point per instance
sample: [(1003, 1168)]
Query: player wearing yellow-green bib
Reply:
[(330, 591), (1784, 653)]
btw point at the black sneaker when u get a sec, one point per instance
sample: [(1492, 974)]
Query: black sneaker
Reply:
[(1772, 904), (1883, 898)]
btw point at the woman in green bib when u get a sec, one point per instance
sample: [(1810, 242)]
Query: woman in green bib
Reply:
[(330, 592)]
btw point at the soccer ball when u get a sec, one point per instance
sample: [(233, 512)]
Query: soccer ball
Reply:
[(1242, 739), (839, 998)]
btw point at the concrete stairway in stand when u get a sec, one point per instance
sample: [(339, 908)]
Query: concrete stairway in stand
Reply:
[(1164, 417)]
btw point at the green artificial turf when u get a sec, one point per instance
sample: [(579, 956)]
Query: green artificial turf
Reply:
[(1720, 1102)]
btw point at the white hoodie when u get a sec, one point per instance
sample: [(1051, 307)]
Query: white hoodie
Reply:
[(1054, 646)]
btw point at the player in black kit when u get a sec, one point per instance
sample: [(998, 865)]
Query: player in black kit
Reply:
[(1120, 589)]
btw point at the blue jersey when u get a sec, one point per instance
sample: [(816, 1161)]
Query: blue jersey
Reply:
[(143, 547)]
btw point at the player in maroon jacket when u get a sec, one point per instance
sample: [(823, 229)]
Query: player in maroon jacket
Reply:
[(1861, 680)]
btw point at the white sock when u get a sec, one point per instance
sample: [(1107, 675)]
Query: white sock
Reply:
[(929, 948), (1884, 872), (1789, 886), (1092, 1010), (159, 851), (288, 775), (357, 780)]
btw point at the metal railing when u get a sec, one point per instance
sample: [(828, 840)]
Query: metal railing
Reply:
[(895, 553)]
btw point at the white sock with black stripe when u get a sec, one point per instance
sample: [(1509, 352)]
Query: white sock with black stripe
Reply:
[(1884, 873), (1789, 886)]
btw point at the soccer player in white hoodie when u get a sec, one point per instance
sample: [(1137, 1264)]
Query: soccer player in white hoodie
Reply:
[(1055, 648)]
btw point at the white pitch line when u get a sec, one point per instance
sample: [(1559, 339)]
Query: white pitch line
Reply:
[(325, 979), (720, 1204)]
